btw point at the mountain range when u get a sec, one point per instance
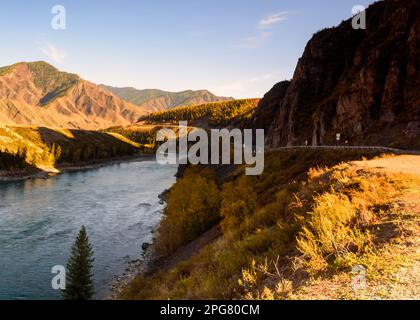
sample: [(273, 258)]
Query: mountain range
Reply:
[(159, 100), (38, 94)]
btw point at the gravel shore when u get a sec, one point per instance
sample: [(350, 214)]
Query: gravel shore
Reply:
[(143, 265)]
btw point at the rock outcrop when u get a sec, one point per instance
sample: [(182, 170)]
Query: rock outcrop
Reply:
[(364, 84)]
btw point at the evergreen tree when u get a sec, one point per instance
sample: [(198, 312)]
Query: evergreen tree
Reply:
[(79, 284)]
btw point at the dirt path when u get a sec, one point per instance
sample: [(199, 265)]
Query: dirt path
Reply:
[(187, 251), (409, 164)]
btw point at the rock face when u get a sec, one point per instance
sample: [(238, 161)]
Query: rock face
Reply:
[(39, 94), (364, 84)]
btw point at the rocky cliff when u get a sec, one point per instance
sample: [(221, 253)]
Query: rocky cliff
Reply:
[(364, 84)]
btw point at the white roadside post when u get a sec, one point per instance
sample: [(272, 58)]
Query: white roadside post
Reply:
[(338, 137)]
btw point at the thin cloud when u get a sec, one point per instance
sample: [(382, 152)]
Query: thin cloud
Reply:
[(53, 53), (264, 25), (256, 41), (269, 21)]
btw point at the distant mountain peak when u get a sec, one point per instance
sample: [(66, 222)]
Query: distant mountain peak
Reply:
[(51, 82), (160, 100), (37, 93)]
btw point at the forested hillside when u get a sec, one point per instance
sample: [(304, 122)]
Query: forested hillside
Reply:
[(46, 148), (237, 112)]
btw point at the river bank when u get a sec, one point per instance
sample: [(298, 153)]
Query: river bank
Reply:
[(44, 173), (146, 263), (151, 260), (143, 265)]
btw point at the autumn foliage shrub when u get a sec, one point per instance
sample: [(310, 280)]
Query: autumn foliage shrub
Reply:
[(192, 208), (238, 202)]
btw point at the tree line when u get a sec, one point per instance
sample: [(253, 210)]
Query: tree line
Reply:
[(49, 156), (217, 113)]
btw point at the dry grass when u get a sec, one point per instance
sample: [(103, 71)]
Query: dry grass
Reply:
[(294, 227), (355, 217)]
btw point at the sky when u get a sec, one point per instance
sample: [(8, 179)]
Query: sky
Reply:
[(238, 48)]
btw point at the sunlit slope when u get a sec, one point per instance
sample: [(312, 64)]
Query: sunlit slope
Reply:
[(44, 147), (294, 232), (227, 113), (37, 93)]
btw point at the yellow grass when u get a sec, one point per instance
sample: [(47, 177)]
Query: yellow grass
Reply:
[(306, 217)]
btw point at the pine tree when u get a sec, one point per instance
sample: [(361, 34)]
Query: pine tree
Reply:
[(79, 284)]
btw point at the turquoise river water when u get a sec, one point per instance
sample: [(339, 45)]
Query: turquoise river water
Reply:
[(40, 218)]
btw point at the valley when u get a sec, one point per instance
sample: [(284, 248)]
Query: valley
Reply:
[(338, 192)]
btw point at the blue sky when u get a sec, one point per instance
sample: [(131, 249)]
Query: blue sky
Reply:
[(237, 48)]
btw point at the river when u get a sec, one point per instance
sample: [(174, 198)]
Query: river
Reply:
[(40, 218)]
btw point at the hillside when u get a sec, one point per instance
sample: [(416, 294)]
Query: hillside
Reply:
[(294, 232), (158, 100), (235, 113), (38, 94), (25, 150), (216, 114), (364, 84)]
